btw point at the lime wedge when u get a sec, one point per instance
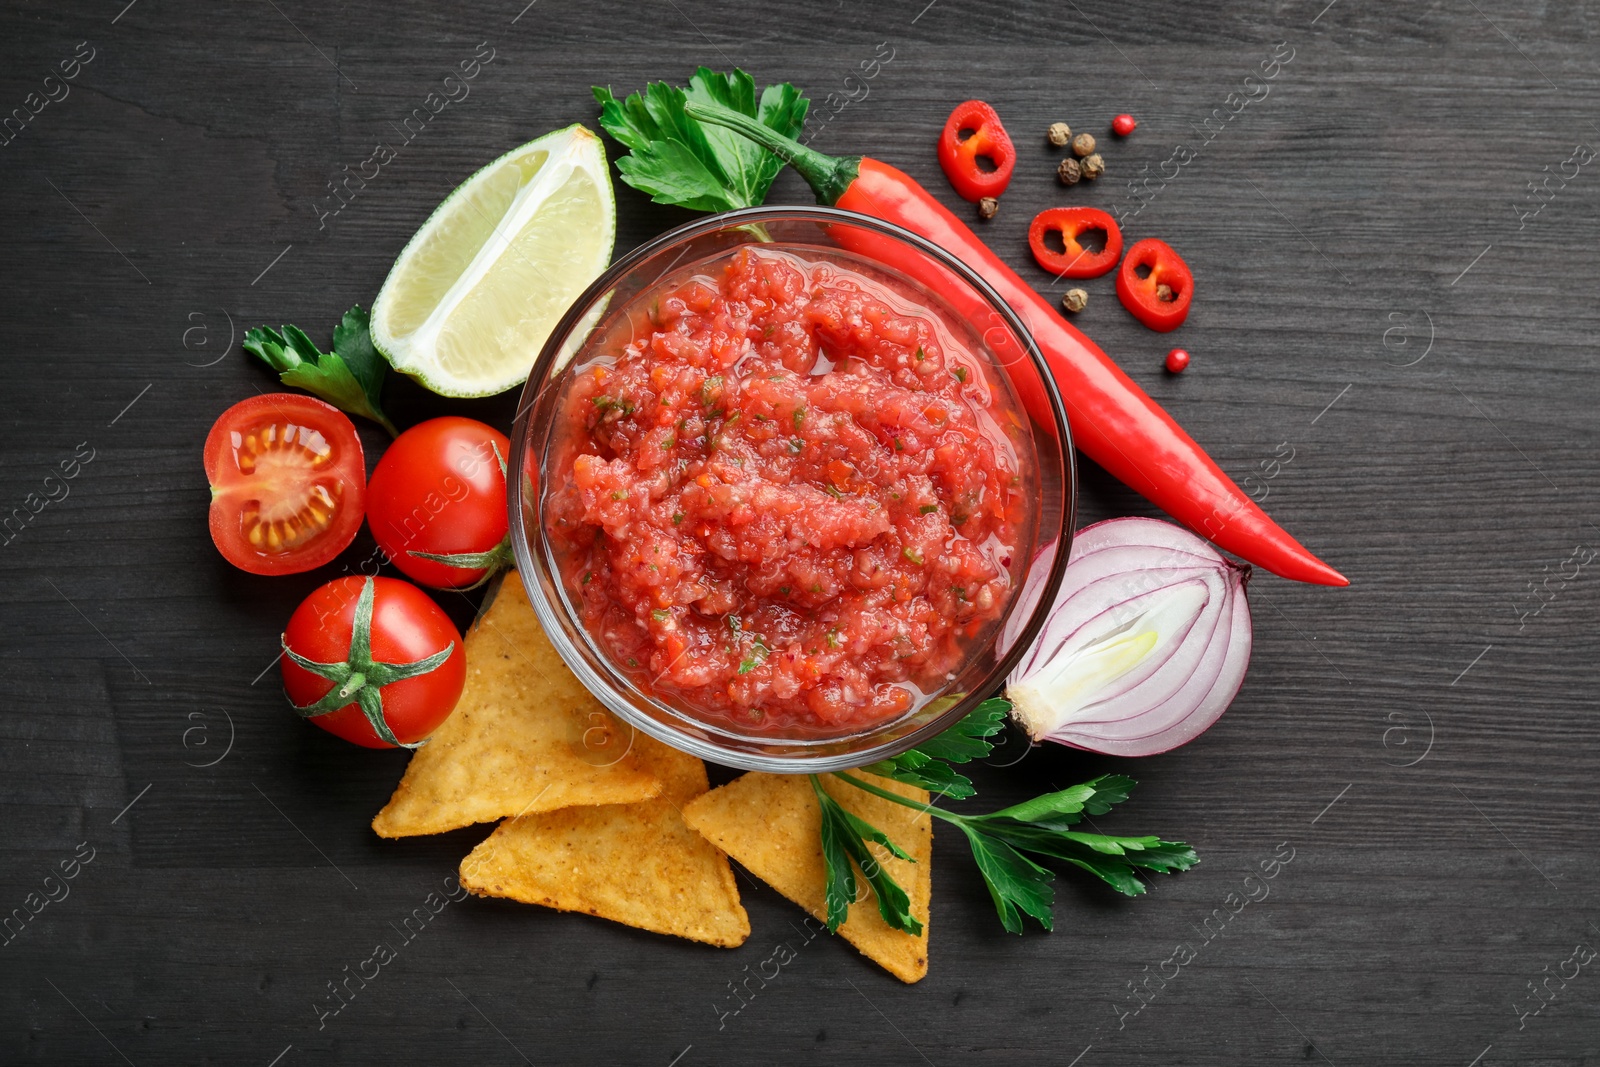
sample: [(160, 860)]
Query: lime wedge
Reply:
[(474, 296)]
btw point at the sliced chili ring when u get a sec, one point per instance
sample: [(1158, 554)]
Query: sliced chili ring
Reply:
[(989, 139), (1142, 296), (1075, 261)]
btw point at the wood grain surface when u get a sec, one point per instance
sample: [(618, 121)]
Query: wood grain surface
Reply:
[(1376, 297)]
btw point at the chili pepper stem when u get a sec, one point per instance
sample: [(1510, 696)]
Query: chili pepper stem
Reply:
[(829, 176)]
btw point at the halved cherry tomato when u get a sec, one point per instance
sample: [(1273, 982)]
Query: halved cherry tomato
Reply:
[(1143, 296), (988, 139), (440, 491), (1075, 261), (374, 661), (288, 480)]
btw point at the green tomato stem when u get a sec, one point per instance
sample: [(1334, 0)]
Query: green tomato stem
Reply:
[(491, 562), (359, 678)]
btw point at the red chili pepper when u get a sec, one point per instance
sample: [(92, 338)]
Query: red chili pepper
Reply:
[(1177, 360), (1143, 297), (960, 158), (1075, 261), (1113, 421)]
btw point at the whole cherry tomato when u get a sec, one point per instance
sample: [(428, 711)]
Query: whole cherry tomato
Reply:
[(1075, 261), (988, 140), (437, 502), (288, 480), (374, 661), (1161, 298)]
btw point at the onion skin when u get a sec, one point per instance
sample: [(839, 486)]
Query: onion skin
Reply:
[(1128, 663)]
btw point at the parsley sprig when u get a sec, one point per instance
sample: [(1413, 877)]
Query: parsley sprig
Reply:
[(676, 160), (1006, 844), (350, 377)]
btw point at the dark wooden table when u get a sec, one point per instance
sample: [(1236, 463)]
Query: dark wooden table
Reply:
[(1393, 228)]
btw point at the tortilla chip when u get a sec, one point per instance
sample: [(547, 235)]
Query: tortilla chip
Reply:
[(526, 737), (637, 864), (772, 825)]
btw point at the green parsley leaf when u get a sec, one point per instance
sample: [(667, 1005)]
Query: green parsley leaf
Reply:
[(844, 851), (968, 740), (711, 391), (677, 160), (1111, 859), (1016, 883), (350, 377), (929, 766), (1004, 842), (352, 342), (610, 403), (919, 769), (839, 875), (758, 656), (1062, 809)]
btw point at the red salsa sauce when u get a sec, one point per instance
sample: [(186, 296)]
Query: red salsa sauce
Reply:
[(791, 496)]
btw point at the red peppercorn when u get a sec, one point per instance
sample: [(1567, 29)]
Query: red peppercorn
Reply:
[(1177, 359), (1123, 125)]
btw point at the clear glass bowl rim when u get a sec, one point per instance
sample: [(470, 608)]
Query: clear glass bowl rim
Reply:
[(605, 688)]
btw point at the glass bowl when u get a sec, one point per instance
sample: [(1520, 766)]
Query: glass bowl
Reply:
[(928, 275)]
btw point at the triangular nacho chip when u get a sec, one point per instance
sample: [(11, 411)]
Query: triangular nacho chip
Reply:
[(771, 824), (637, 864), (526, 737)]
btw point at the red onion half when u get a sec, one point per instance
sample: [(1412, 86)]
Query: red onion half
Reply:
[(1146, 646)]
